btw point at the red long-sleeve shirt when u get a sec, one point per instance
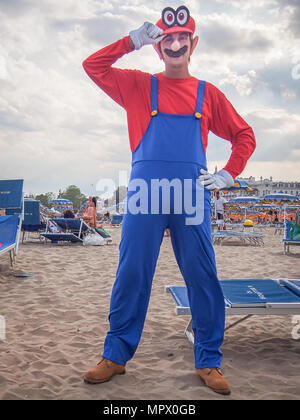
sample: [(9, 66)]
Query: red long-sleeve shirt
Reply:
[(132, 90)]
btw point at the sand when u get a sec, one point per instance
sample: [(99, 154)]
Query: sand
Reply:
[(56, 323)]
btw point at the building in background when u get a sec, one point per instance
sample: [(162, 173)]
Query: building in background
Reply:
[(268, 186)]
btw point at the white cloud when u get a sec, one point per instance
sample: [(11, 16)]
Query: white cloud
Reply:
[(3, 69), (243, 83)]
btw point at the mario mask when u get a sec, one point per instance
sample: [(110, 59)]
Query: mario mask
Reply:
[(171, 21)]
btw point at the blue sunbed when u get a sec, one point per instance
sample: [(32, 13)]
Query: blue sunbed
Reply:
[(61, 237), (247, 297), (8, 232), (254, 238), (117, 219), (72, 225), (11, 200), (68, 230)]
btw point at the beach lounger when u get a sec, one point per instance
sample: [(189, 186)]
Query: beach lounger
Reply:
[(67, 230), (247, 297), (232, 226), (61, 237), (263, 226), (76, 226), (287, 241), (104, 234), (278, 229), (11, 201), (117, 219), (254, 238)]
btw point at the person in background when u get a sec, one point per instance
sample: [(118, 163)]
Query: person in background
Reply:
[(220, 209), (94, 200), (90, 213), (106, 217), (68, 214)]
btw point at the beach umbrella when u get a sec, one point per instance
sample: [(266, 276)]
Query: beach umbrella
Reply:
[(242, 201), (48, 213), (238, 185), (241, 204), (280, 199), (61, 205), (81, 209), (265, 207)]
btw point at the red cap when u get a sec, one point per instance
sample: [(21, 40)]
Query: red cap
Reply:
[(176, 20)]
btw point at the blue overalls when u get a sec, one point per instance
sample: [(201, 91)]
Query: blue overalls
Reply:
[(170, 149)]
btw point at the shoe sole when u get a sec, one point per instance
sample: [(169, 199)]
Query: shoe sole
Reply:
[(218, 391), (221, 391), (95, 382)]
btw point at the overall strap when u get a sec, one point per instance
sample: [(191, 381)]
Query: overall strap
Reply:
[(154, 95), (200, 96)]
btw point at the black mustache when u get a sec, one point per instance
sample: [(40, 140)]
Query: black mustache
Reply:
[(177, 53)]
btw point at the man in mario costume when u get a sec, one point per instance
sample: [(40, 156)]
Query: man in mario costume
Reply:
[(169, 116)]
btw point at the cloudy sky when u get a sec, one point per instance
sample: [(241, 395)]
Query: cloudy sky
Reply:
[(57, 128)]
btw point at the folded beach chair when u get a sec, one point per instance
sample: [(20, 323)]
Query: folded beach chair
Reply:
[(247, 297), (104, 234), (67, 230), (289, 239), (11, 202), (254, 238)]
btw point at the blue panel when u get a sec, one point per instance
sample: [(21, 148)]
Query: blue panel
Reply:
[(70, 224), (11, 193), (117, 219), (8, 230), (256, 291), (179, 293), (31, 212), (293, 285)]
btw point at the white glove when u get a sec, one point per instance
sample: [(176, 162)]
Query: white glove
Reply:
[(221, 179), (146, 34)]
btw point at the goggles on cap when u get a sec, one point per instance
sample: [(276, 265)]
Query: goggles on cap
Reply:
[(178, 20)]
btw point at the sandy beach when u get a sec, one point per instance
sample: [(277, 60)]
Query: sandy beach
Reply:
[(56, 323)]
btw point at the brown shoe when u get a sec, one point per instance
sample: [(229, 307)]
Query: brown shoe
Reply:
[(103, 372), (214, 379)]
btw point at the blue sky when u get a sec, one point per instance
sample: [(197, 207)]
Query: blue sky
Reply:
[(57, 128)]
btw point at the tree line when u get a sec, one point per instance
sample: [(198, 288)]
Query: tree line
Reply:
[(73, 193)]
